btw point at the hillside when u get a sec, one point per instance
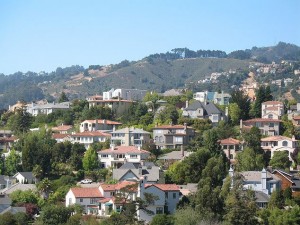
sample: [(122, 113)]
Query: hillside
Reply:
[(176, 69)]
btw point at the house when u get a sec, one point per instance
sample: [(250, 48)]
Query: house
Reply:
[(36, 109), (288, 181), (269, 127), (117, 106), (134, 171), (230, 147), (206, 110), (130, 136), (171, 157), (25, 177), (126, 94), (103, 201), (280, 143), (61, 137), (89, 137), (6, 140), (172, 136), (263, 183), (116, 156), (62, 129), (215, 97), (272, 110), (99, 124), (6, 181)]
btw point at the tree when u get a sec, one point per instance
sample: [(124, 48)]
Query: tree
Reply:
[(162, 219), (187, 216), (55, 214), (63, 97), (235, 113), (276, 200), (7, 219), (28, 196), (12, 163), (243, 102), (249, 160), (44, 187), (90, 160), (211, 142), (240, 205), (20, 122), (262, 94), (280, 160)]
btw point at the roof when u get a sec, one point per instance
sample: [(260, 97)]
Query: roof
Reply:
[(21, 187), (86, 192), (256, 176), (102, 121), (91, 134), (273, 108), (209, 108), (14, 210), (118, 186), (164, 187), (131, 130), (277, 138), (59, 136), (62, 128), (230, 141), (176, 155), (261, 120), (138, 170), (110, 100), (27, 175), (171, 127), (261, 196), (124, 150), (272, 103)]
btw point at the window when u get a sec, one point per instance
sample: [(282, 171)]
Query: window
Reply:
[(112, 193), (215, 118), (270, 116), (166, 195), (174, 195), (81, 200), (285, 143), (93, 201), (271, 125), (178, 139), (224, 146), (104, 156), (159, 210), (231, 156), (231, 146), (133, 156)]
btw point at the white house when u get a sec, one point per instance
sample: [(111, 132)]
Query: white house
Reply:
[(99, 124), (116, 156), (36, 109), (89, 137), (272, 110), (126, 94), (103, 201), (25, 177), (280, 143)]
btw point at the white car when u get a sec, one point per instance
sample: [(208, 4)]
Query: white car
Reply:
[(86, 181)]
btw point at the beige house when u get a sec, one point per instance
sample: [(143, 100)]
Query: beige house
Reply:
[(272, 109), (98, 124), (269, 127), (130, 136), (230, 147), (172, 136)]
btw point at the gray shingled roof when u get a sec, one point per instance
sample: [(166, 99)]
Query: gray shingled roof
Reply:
[(14, 210), (175, 155), (27, 175), (261, 196), (209, 108), (148, 169)]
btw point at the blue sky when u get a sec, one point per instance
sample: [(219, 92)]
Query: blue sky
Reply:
[(40, 35)]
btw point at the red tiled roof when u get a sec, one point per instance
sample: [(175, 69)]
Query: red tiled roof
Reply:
[(104, 200), (276, 138), (91, 134), (164, 187), (273, 108), (118, 186), (59, 136), (124, 149), (86, 192), (229, 141), (296, 117), (261, 120), (272, 103), (62, 128), (100, 121), (171, 127)]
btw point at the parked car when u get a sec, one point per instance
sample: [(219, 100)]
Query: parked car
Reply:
[(86, 181)]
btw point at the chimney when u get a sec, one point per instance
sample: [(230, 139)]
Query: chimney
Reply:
[(226, 111), (186, 103), (112, 147), (182, 151), (241, 124), (264, 181)]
